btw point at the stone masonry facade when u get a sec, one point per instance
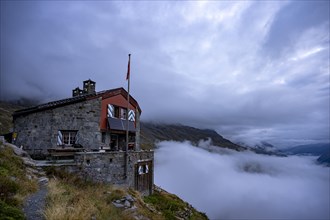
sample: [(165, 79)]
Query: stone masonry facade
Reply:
[(109, 167), (38, 131)]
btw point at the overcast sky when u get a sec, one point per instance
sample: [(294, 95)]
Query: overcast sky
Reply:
[(251, 70)]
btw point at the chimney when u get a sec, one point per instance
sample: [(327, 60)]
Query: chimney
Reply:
[(77, 92), (89, 87)]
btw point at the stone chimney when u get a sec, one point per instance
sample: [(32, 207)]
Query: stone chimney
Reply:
[(77, 92), (89, 87)]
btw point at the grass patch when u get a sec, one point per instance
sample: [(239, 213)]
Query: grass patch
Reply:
[(172, 206), (8, 212), (14, 184), (114, 195), (72, 198), (167, 204)]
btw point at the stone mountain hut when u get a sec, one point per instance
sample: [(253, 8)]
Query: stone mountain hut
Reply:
[(89, 129)]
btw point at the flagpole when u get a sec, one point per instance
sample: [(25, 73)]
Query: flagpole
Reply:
[(127, 111)]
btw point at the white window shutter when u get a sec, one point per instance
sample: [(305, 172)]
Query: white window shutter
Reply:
[(59, 138), (110, 111)]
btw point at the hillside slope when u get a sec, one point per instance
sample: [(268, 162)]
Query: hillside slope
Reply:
[(153, 132), (18, 179), (6, 111), (324, 159)]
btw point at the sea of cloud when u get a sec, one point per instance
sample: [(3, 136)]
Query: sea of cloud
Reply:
[(243, 185)]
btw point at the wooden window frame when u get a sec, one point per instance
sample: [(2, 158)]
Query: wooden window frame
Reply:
[(69, 137)]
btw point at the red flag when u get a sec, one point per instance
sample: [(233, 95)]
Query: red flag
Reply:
[(128, 67)]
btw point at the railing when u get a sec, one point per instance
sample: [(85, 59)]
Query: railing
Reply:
[(57, 153)]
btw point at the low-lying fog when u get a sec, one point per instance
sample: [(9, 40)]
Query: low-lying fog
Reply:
[(234, 185)]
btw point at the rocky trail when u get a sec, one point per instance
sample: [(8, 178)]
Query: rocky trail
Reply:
[(35, 203)]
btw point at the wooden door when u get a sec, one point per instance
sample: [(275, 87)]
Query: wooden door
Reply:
[(144, 176)]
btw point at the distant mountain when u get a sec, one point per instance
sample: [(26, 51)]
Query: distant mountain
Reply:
[(263, 147), (153, 132), (324, 159), (6, 109), (308, 149)]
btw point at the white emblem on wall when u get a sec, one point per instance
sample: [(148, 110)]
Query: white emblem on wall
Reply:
[(131, 115)]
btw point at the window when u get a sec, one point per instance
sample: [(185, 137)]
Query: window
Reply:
[(117, 111), (123, 113), (67, 137)]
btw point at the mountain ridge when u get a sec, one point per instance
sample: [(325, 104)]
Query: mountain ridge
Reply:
[(152, 133)]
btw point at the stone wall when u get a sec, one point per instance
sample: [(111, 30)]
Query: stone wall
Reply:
[(109, 167), (38, 131)]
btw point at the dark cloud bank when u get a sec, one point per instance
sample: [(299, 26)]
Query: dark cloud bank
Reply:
[(230, 185)]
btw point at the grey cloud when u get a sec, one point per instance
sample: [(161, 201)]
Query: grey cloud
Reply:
[(293, 19)]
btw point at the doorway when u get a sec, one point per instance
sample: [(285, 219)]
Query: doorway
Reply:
[(114, 142)]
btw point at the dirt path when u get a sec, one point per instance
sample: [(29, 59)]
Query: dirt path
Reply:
[(35, 203)]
